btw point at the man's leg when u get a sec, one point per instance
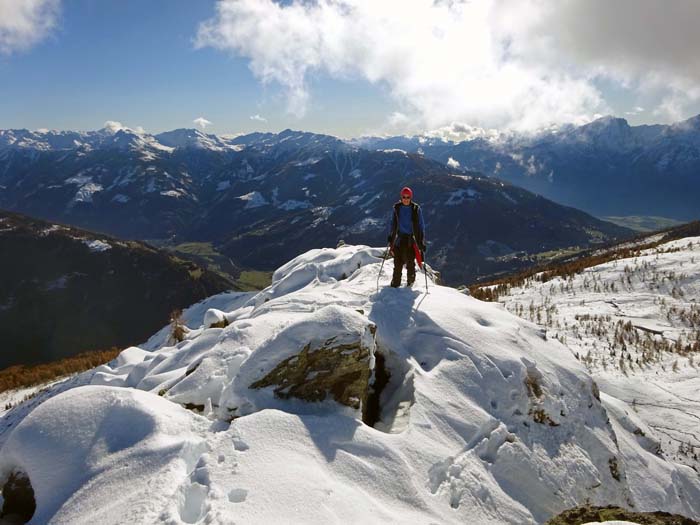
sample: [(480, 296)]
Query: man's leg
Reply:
[(410, 265), (398, 266)]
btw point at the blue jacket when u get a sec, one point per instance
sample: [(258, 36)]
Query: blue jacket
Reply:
[(407, 220)]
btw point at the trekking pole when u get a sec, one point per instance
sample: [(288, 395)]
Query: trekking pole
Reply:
[(425, 272), (384, 257)]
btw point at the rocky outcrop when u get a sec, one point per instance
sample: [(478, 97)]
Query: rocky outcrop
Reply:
[(336, 369)]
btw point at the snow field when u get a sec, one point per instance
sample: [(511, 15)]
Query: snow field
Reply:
[(635, 324), (484, 420)]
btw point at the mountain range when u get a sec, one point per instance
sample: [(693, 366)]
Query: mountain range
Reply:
[(606, 167), (262, 198)]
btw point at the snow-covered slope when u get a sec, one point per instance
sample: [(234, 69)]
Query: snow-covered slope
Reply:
[(635, 324), (483, 420)]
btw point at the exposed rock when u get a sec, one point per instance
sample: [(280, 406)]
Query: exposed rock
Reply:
[(18, 499), (340, 370), (581, 515), (214, 318)]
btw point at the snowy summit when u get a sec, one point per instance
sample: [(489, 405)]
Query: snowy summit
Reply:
[(323, 399)]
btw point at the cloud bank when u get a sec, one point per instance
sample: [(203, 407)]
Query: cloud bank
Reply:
[(519, 64), (24, 23)]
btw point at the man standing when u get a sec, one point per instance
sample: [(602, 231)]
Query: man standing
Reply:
[(407, 229)]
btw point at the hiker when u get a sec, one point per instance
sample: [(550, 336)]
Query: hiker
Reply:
[(407, 231)]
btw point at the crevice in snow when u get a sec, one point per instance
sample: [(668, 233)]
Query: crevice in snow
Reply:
[(391, 393), (18, 504)]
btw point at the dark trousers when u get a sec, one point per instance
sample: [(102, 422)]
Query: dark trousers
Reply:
[(404, 255)]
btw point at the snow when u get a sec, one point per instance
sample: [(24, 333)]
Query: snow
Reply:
[(630, 322), (509, 197), (321, 214), (308, 162), (57, 284), (484, 420), (97, 245), (612, 522), (79, 179), (173, 193), (459, 196), (96, 439), (295, 205), (367, 224), (254, 199), (85, 193), (121, 198), (393, 150)]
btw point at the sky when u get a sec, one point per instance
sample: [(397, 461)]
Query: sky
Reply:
[(346, 67)]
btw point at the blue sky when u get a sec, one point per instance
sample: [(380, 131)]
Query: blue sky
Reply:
[(134, 61), (345, 67)]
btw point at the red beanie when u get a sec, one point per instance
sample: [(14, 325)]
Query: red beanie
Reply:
[(407, 191)]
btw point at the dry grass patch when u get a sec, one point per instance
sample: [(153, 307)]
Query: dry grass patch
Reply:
[(21, 376)]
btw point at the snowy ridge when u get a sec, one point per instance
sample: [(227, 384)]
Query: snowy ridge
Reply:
[(483, 420), (635, 324)]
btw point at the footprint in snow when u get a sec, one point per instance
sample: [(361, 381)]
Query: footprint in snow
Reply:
[(237, 495)]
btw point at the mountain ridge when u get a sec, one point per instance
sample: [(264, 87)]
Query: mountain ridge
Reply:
[(274, 195), (484, 419)]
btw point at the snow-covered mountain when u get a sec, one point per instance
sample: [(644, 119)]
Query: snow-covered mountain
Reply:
[(606, 167), (634, 322), (326, 399), (263, 198)]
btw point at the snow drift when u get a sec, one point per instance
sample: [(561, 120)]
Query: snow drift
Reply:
[(479, 418)]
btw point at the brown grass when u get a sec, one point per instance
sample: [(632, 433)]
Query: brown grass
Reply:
[(21, 376)]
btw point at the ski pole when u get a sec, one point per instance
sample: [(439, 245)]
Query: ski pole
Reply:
[(425, 272), (384, 257)]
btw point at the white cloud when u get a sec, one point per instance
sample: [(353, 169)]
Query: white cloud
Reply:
[(452, 163), (258, 118), (202, 122), (113, 126), (24, 23), (519, 64), (459, 132)]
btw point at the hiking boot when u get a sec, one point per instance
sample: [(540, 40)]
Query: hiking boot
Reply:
[(395, 284)]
